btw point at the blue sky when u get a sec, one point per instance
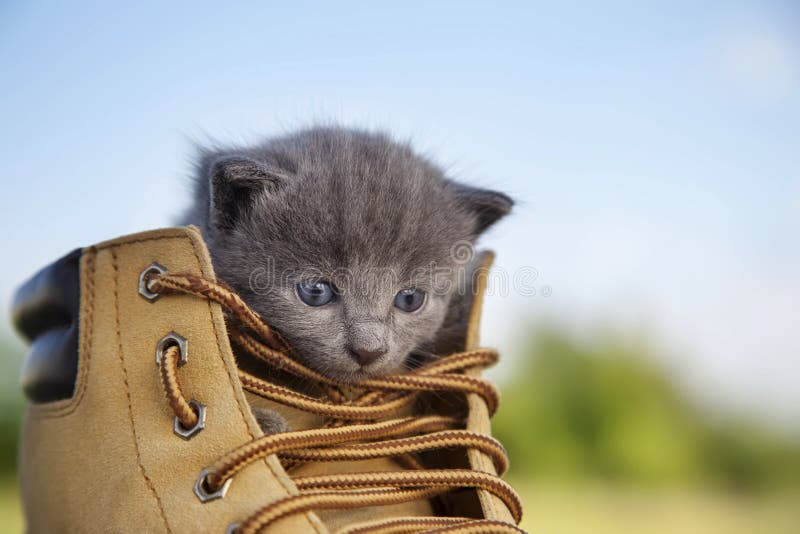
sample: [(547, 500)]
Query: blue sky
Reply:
[(653, 149)]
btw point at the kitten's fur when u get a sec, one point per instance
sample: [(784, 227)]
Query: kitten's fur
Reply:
[(331, 203)]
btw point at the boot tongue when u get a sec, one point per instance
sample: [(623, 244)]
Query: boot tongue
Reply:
[(299, 419), (295, 418)]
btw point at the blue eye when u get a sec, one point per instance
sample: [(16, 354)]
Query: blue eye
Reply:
[(409, 300), (315, 293)]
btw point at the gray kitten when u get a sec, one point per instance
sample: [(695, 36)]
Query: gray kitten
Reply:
[(343, 241)]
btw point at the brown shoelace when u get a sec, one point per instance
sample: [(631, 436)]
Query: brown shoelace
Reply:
[(358, 427)]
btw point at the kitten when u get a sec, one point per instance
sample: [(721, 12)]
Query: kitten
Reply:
[(342, 240)]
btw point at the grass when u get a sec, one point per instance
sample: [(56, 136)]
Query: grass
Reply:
[(601, 510), (10, 513)]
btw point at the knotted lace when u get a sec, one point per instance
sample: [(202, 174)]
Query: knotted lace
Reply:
[(362, 423)]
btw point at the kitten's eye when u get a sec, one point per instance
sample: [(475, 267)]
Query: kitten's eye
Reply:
[(410, 299), (315, 293)]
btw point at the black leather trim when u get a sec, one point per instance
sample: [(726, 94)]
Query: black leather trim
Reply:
[(46, 312)]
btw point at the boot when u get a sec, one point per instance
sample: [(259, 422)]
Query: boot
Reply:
[(139, 417)]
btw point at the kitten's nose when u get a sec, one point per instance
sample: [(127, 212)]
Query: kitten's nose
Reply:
[(365, 356)]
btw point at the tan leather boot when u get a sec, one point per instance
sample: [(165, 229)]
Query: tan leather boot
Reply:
[(138, 416)]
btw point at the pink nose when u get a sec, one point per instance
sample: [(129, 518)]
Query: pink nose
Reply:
[(365, 356)]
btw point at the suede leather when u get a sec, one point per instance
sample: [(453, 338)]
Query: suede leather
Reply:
[(478, 419), (107, 460)]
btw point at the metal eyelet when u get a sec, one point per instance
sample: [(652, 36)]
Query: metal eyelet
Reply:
[(232, 528), (173, 338), (144, 279), (189, 433), (202, 492)]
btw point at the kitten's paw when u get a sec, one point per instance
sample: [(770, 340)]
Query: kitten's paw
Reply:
[(269, 421)]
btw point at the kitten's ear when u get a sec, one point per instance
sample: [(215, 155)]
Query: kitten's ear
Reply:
[(486, 205), (234, 181)]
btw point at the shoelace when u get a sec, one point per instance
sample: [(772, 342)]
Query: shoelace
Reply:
[(358, 427)]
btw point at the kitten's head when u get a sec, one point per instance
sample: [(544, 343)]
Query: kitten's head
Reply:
[(343, 241)]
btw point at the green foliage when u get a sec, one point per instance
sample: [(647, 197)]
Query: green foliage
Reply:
[(10, 404), (10, 413), (744, 455), (607, 410)]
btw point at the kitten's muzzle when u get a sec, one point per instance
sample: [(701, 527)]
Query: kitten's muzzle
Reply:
[(365, 356)]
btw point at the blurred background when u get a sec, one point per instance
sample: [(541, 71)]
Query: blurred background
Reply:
[(649, 335)]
